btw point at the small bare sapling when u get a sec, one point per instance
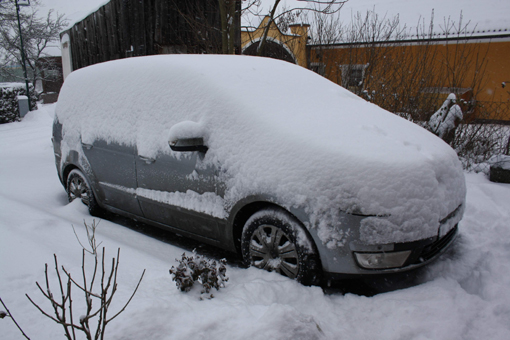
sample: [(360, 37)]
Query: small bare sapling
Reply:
[(98, 290)]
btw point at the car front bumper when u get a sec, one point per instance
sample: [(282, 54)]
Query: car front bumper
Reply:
[(356, 258)]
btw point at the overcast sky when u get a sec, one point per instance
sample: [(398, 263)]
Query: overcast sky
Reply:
[(74, 10), (481, 12)]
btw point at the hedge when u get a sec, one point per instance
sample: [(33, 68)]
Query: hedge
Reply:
[(9, 93)]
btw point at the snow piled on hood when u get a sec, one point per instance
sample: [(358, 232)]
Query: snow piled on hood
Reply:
[(274, 128)]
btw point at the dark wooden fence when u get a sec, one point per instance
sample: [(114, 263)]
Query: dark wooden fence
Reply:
[(127, 28)]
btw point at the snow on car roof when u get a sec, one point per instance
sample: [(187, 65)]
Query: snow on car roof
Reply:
[(274, 128)]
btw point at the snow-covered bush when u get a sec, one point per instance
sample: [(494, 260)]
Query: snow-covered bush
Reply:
[(197, 268), (475, 138), (445, 120), (476, 142), (9, 93)]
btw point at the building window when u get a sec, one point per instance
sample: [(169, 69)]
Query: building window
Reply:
[(51, 75), (353, 75), (318, 68)]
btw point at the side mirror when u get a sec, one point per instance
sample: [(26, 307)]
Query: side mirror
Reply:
[(188, 144)]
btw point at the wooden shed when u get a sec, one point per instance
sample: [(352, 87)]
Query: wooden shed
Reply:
[(128, 28)]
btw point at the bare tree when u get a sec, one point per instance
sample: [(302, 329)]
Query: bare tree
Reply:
[(410, 72), (369, 59), (399, 69), (285, 16), (203, 23), (38, 33)]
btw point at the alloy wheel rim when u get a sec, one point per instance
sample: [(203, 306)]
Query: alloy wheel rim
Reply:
[(78, 189), (271, 249)]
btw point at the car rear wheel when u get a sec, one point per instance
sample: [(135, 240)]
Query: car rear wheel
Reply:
[(78, 187), (273, 240)]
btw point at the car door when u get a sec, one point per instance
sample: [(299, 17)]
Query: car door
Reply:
[(113, 166), (179, 190)]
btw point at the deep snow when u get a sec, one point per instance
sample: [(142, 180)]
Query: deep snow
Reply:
[(464, 295)]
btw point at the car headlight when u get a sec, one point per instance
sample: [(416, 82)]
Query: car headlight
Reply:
[(382, 260)]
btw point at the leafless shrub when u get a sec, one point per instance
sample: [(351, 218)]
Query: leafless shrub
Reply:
[(62, 301), (478, 140), (91, 237)]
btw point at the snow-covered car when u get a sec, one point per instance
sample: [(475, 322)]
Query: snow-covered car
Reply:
[(260, 157)]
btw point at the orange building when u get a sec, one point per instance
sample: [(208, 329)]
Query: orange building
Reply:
[(399, 74), (411, 76)]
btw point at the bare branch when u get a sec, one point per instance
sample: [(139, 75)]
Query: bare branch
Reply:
[(41, 310), (64, 309), (130, 298), (38, 33), (14, 320)]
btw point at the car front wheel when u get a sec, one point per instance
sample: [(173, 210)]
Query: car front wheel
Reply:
[(78, 187), (274, 240)]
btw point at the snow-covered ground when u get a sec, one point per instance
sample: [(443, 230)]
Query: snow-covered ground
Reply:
[(464, 295)]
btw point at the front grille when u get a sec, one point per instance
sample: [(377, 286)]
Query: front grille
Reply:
[(435, 248)]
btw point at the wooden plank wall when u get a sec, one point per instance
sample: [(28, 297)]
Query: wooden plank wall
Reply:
[(127, 28)]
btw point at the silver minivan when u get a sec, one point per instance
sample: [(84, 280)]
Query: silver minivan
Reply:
[(260, 157)]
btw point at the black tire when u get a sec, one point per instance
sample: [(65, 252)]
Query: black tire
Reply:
[(78, 187), (270, 241)]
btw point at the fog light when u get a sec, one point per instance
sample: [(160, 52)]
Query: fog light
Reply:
[(382, 260)]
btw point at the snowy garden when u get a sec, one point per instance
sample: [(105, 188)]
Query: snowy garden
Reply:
[(463, 295), (118, 278)]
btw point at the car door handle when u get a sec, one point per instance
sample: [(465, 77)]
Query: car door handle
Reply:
[(87, 146), (147, 160)]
